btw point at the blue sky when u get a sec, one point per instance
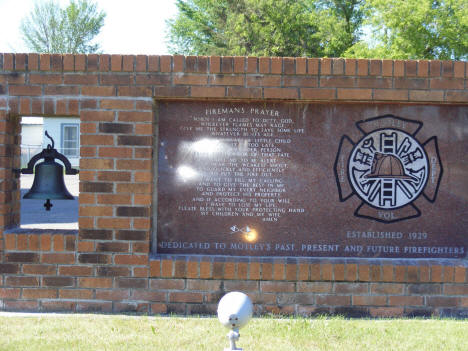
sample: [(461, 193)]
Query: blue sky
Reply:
[(131, 26)]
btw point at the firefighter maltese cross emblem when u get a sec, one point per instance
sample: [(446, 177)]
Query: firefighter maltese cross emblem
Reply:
[(388, 169)]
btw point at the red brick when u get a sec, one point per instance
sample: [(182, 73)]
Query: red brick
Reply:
[(459, 69), (276, 65), (301, 65), (351, 272), (339, 272), (455, 289), (186, 297), (98, 91), (128, 63), (116, 63), (442, 301), (386, 288), (153, 63), (205, 269), (117, 104), (254, 270), (93, 282), (435, 68), (314, 287), (448, 274), (426, 95), (460, 274), (10, 241), (207, 92), (278, 271), (338, 66), (34, 242), (354, 94), (447, 83), (229, 270), (215, 64), (98, 116), (333, 300), (155, 268), (447, 68), (58, 242), (227, 64), (315, 272), (59, 258), (364, 273), (375, 273), (80, 62), (187, 79), (9, 293), (387, 68), (411, 68), (224, 79), (263, 81), (113, 223), (22, 242), (33, 62), (325, 66), (21, 305), (75, 271), (267, 271), (369, 300), (178, 63), (21, 281), (423, 68), (280, 93), (242, 270), (291, 272), (362, 67), (192, 269), (264, 65), (68, 62), (298, 81), (391, 95), (40, 293), (350, 67), (456, 96), (25, 90), (399, 68), (44, 62), (400, 274), (76, 294), (104, 63), (165, 63), (276, 287), (252, 64)]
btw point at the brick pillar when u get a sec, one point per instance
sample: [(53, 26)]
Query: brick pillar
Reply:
[(9, 160)]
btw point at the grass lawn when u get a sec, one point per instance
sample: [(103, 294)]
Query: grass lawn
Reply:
[(100, 332)]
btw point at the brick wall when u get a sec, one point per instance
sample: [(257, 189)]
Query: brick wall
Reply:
[(108, 265)]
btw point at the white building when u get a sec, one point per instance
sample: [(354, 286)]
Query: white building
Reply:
[(64, 130)]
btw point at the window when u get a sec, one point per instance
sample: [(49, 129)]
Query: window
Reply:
[(70, 140)]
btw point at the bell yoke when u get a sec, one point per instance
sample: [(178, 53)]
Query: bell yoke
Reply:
[(48, 180)]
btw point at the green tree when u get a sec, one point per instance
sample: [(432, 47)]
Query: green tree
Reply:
[(265, 27), (415, 29), (51, 29)]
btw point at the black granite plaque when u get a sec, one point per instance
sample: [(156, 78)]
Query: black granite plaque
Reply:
[(312, 180)]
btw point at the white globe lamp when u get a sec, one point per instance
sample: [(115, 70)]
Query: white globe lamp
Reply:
[(234, 311)]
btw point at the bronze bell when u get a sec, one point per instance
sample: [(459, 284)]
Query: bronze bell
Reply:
[(48, 179)]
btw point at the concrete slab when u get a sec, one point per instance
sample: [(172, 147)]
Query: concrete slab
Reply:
[(63, 214)]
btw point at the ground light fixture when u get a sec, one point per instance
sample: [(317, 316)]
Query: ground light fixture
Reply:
[(234, 311), (48, 181)]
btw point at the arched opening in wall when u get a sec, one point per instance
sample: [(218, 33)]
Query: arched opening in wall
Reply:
[(65, 133)]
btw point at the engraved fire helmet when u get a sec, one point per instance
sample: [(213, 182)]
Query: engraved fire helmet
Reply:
[(387, 166)]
